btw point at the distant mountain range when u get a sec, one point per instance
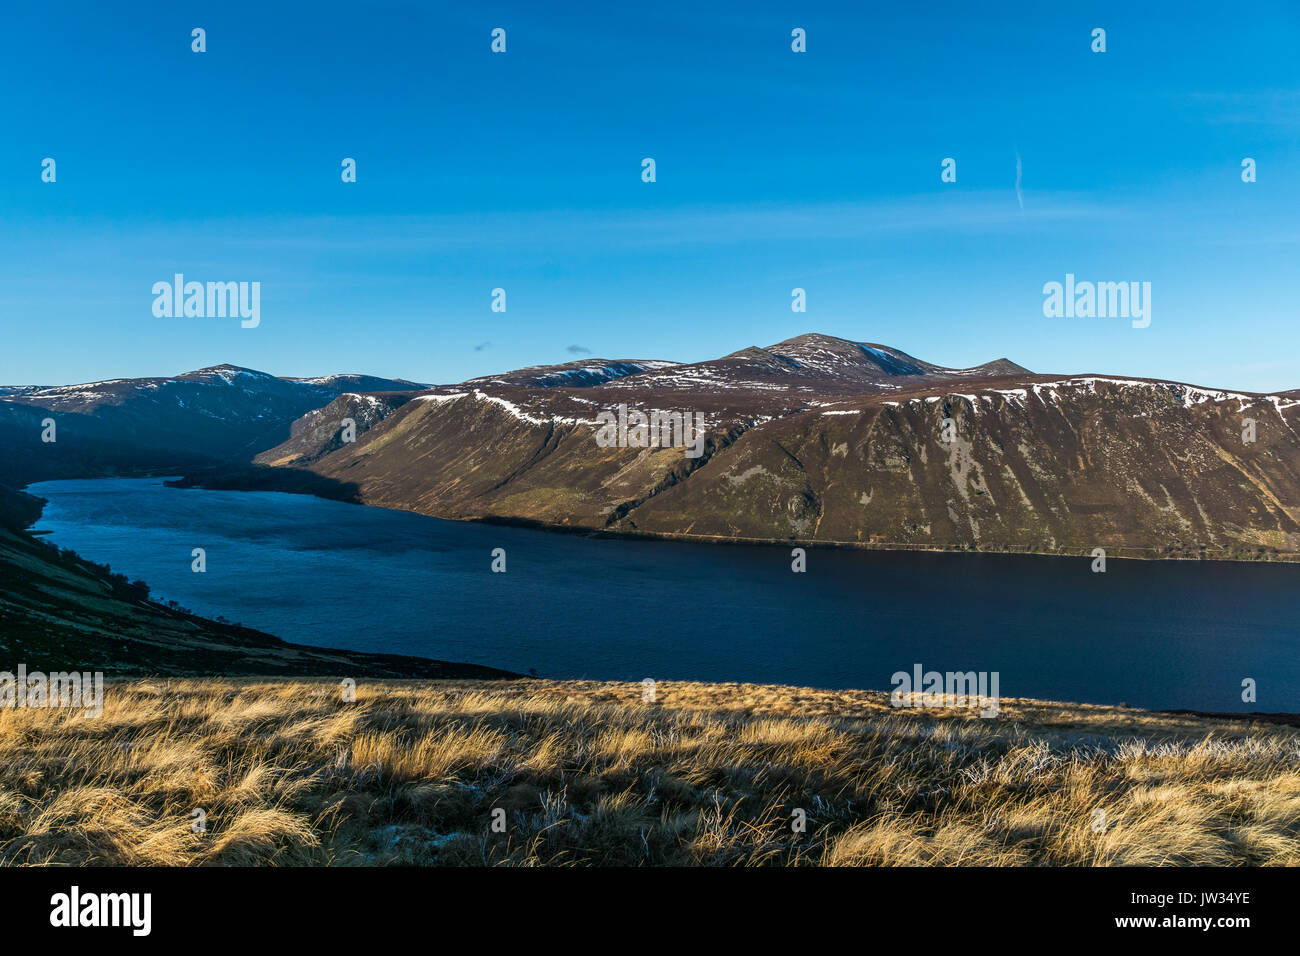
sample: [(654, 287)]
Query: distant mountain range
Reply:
[(814, 439), (123, 426)]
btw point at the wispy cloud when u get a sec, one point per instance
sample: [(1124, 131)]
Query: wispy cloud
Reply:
[(578, 350), (973, 212)]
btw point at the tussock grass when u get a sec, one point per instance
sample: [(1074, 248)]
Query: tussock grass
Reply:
[(588, 773)]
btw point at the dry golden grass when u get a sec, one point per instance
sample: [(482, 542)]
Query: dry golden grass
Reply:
[(710, 774)]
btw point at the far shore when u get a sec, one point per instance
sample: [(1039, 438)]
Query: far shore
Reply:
[(261, 479)]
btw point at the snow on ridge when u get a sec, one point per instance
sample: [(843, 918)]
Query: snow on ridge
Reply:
[(1189, 395), (697, 378), (227, 374), (605, 372), (87, 388), (441, 398), (553, 419), (514, 409), (323, 381), (509, 406), (363, 397)]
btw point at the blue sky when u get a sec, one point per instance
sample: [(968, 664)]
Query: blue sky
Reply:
[(775, 170)]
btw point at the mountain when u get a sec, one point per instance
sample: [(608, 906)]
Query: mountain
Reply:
[(122, 426), (350, 382), (579, 374), (823, 440), (810, 364), (206, 390), (319, 432)]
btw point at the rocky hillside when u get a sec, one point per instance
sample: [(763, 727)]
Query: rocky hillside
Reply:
[(1070, 464), (822, 440), (326, 429)]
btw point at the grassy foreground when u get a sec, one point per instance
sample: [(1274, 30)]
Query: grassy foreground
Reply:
[(587, 773)]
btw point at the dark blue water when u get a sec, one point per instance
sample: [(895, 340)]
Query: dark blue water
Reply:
[(1172, 634)]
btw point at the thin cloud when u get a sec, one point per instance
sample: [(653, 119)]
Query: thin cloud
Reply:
[(975, 213), (578, 350)]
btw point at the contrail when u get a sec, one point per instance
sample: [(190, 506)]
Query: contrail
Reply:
[(1020, 197)]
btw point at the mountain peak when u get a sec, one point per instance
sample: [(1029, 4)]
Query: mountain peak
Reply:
[(816, 338), (224, 372), (829, 353), (810, 362), (580, 373)]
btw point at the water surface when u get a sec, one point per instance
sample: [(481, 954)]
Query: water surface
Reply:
[(1152, 634)]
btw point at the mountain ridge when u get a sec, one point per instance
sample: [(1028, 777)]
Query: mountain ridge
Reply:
[(825, 441), (815, 439), (220, 413)]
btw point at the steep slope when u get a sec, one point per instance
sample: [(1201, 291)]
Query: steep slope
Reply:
[(857, 444), (471, 454), (322, 431), (1067, 465)]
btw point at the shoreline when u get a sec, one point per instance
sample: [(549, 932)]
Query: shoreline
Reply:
[(47, 584)]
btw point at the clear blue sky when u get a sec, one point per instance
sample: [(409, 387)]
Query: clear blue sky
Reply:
[(775, 170)]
